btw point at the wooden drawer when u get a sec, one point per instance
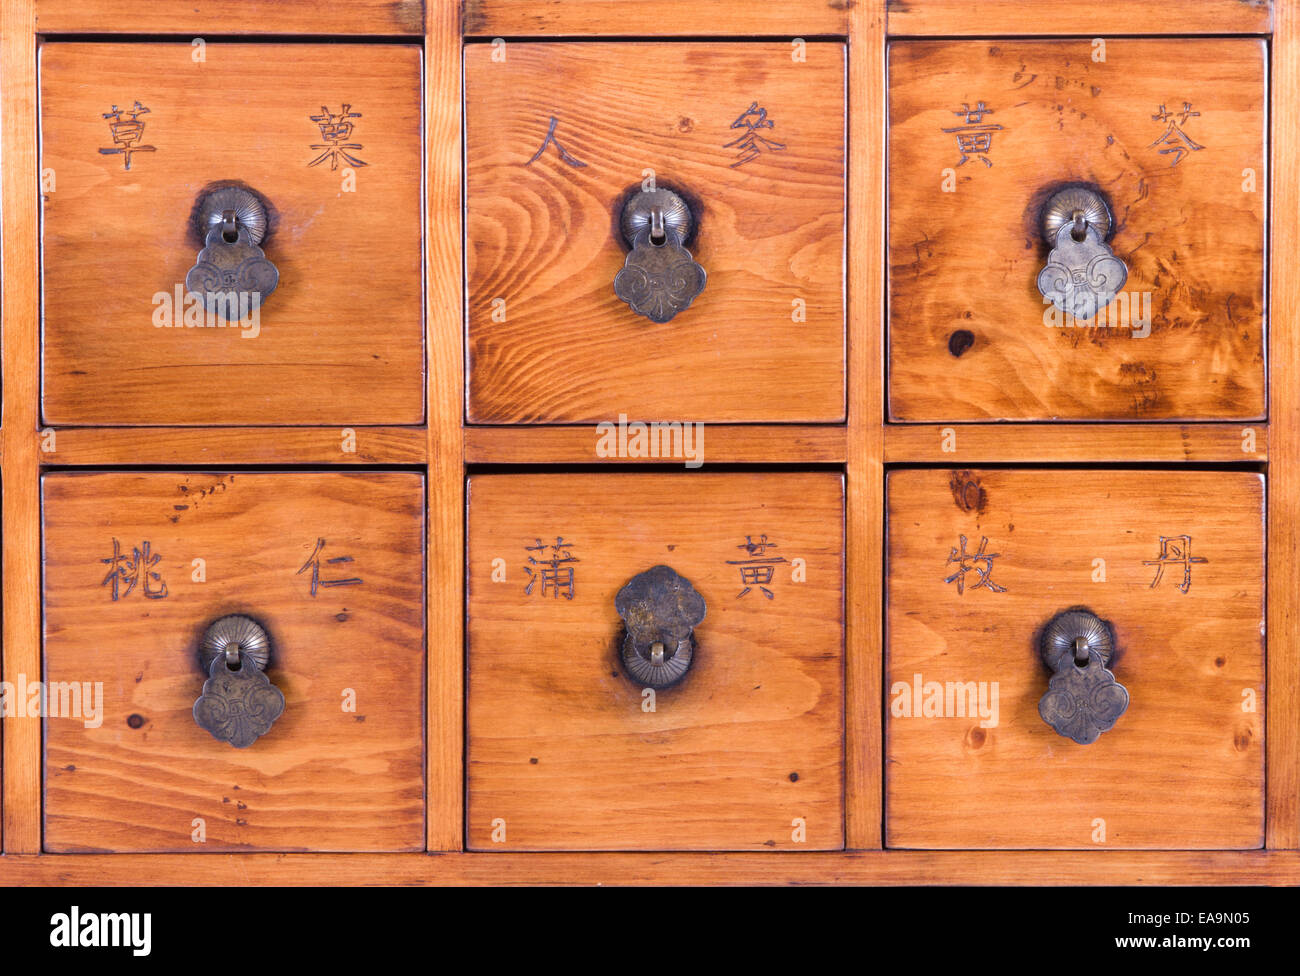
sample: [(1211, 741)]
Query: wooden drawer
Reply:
[(329, 135), (566, 751), (561, 135), (979, 562), (1172, 133), (331, 565)]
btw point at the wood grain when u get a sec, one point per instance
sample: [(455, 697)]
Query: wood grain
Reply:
[(969, 259), (98, 446), (324, 778), (909, 868), (1044, 443), (19, 493), (340, 339), (1088, 18), (718, 444), (559, 747), (1184, 766), (541, 237), (445, 298), (193, 17), (865, 470), (652, 18), (1283, 792)]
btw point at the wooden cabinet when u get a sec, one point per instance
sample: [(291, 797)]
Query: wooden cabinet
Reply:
[(559, 137), (1170, 134), (568, 750), (669, 442), (135, 137), (979, 563), (138, 565)]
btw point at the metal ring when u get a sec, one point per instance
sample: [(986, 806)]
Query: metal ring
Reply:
[(658, 671), (243, 633), (249, 213), (657, 210), (1063, 207), (1067, 632)]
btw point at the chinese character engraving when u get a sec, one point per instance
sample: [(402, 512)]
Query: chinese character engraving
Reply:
[(335, 129), (554, 572), (979, 562), (1175, 551), (551, 140), (975, 137), (756, 570), (313, 563), (133, 569), (126, 133), (1177, 142), (751, 144)]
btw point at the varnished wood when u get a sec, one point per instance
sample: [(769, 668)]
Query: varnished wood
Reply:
[(1284, 438), (19, 492), (562, 751), (445, 296), (903, 443), (907, 868), (865, 482), (721, 444), (1088, 18), (967, 261), (541, 236), (191, 18), (653, 18), (862, 444), (97, 446), (340, 339), (1183, 767), (325, 777), (1096, 443)]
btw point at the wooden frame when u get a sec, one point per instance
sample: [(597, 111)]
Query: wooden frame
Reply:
[(864, 446)]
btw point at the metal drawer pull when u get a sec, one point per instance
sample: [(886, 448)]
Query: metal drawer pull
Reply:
[(659, 277), (232, 274), (1082, 275), (239, 704), (1083, 699), (660, 612)]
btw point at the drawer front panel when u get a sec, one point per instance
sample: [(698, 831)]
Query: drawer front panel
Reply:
[(567, 751), (138, 565), (979, 564), (1171, 135), (133, 136), (751, 137)]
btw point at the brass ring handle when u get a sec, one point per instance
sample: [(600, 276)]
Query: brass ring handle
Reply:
[(231, 276), (238, 704), (660, 612), (1083, 699), (659, 278), (1082, 275)]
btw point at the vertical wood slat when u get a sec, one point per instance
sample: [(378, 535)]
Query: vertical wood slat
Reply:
[(1282, 798), (20, 478), (444, 297), (864, 521)]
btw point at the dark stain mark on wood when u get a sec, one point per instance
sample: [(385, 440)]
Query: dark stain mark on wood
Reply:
[(967, 492), (960, 341)]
